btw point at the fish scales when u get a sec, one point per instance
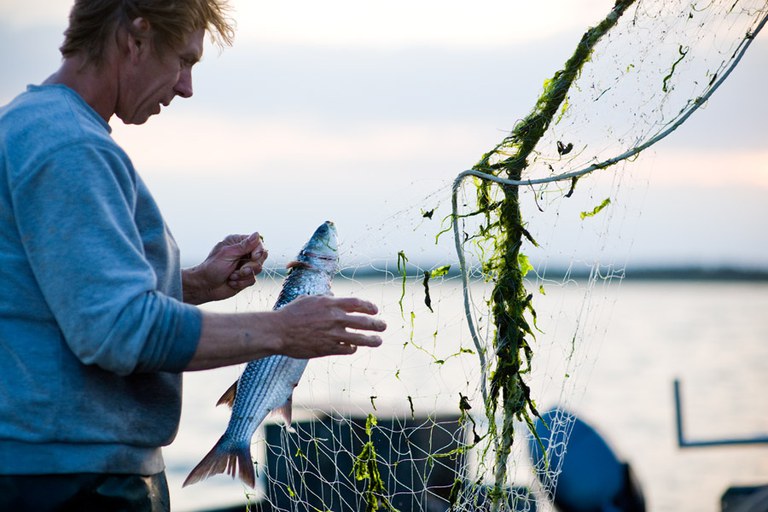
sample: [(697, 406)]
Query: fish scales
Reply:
[(267, 384)]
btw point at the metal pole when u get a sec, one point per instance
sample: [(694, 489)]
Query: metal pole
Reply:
[(683, 443)]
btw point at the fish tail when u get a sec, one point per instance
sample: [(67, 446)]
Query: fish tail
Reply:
[(225, 457)]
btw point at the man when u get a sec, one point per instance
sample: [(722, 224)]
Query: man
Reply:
[(97, 320)]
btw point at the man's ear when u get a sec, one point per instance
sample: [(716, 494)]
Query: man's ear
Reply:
[(138, 37)]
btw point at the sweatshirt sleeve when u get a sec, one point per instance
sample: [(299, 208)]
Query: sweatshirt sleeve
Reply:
[(75, 210)]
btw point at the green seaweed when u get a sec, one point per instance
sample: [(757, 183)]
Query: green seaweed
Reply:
[(564, 149), (464, 407), (402, 259), (597, 209), (683, 53), (436, 272), (453, 496), (366, 467), (506, 266), (524, 263)]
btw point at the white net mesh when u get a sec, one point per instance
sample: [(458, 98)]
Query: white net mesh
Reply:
[(406, 427)]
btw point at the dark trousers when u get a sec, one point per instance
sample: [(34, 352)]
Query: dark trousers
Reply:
[(84, 492)]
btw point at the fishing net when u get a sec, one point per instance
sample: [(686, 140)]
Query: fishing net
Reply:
[(490, 321)]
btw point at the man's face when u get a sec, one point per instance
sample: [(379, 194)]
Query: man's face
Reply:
[(156, 76)]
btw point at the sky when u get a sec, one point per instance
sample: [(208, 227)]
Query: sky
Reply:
[(352, 111)]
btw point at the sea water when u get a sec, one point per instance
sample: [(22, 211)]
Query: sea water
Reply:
[(609, 352)]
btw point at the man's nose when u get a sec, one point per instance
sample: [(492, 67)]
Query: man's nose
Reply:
[(183, 87)]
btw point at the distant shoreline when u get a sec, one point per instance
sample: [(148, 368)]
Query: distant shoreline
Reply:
[(639, 273), (696, 274)]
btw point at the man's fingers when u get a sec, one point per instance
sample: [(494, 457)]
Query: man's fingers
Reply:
[(355, 305), (244, 272), (252, 267), (321, 325), (346, 304), (259, 253), (242, 278), (242, 247), (251, 242), (365, 323), (344, 349), (362, 340)]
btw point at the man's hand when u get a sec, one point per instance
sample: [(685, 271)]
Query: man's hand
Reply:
[(308, 327), (231, 266), (323, 325)]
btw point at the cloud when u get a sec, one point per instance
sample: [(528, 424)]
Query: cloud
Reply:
[(405, 23), (35, 13), (318, 111), (393, 23), (347, 83), (199, 144), (708, 168), (40, 56)]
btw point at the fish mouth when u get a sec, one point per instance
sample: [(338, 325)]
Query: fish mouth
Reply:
[(327, 228), (323, 243)]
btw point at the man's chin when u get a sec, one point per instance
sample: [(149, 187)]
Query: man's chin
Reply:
[(137, 120)]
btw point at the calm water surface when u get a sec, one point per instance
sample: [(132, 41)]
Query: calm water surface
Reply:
[(609, 352)]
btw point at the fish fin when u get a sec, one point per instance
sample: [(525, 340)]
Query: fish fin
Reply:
[(229, 396), (286, 412), (297, 264), (220, 460)]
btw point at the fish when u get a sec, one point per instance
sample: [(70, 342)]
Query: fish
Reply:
[(266, 385)]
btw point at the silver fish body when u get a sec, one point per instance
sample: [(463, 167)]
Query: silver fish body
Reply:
[(267, 384)]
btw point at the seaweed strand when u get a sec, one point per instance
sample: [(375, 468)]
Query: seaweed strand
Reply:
[(509, 298)]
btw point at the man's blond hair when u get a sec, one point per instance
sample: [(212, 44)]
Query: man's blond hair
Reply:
[(93, 22)]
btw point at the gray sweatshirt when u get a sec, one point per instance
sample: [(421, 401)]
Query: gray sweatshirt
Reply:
[(93, 333)]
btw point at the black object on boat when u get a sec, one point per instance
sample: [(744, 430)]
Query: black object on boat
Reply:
[(591, 478)]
